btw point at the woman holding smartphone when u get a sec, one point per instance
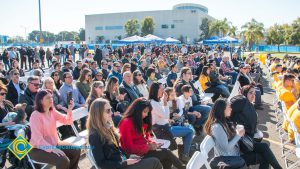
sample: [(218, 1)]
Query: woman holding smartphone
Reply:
[(105, 141)]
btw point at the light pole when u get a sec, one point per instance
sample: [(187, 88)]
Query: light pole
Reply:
[(40, 21)]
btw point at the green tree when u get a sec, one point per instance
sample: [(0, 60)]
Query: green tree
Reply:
[(232, 31), (147, 26), (253, 32), (100, 39), (287, 33), (219, 27), (132, 27), (275, 35), (295, 36), (77, 39), (181, 38), (82, 34), (204, 27)]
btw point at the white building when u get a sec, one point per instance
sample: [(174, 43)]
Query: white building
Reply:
[(183, 20)]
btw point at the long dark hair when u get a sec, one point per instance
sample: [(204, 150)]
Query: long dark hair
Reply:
[(153, 92), (135, 111), (135, 80), (217, 115), (204, 71)]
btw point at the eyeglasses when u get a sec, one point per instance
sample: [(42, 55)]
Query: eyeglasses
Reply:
[(99, 75), (55, 75), (3, 94), (35, 84), (69, 77), (108, 111), (100, 87), (16, 74), (139, 75)]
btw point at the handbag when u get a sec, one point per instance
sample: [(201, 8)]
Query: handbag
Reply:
[(227, 162), (246, 144)]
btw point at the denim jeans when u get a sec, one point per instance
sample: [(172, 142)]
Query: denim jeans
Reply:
[(257, 96), (204, 110), (233, 75), (187, 133), (225, 90)]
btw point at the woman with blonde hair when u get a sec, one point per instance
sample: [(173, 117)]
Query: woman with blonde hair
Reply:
[(84, 82), (50, 85), (104, 139), (126, 67), (97, 90)]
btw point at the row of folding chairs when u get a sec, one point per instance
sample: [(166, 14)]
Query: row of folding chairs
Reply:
[(289, 150)]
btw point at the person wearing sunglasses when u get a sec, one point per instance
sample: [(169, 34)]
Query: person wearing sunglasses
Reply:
[(5, 107), (15, 87), (84, 82), (140, 83), (99, 77), (116, 72), (29, 94), (104, 69), (104, 138)]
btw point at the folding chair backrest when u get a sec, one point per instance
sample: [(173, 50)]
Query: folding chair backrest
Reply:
[(79, 113), (91, 157), (196, 162), (207, 145), (235, 90)]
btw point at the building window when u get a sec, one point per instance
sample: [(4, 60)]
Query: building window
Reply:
[(164, 26), (172, 26), (99, 27), (113, 27)]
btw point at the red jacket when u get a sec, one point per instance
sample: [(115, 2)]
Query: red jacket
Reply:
[(131, 141)]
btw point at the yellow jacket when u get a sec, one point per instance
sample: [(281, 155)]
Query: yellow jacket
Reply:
[(296, 119), (287, 97), (290, 112), (203, 80)]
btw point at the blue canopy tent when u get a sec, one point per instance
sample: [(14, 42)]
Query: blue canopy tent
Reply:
[(218, 40)]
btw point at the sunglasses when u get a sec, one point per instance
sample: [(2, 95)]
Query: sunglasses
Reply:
[(139, 75), (108, 111), (16, 74), (55, 75), (3, 94), (90, 75), (35, 84)]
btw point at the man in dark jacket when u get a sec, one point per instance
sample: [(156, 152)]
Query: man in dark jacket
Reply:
[(77, 69), (104, 69), (98, 55), (29, 94), (132, 92), (23, 54), (15, 87)]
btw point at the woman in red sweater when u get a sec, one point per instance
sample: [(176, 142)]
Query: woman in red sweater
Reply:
[(135, 129)]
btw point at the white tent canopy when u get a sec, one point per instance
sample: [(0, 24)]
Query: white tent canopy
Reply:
[(172, 40), (151, 37), (133, 39)]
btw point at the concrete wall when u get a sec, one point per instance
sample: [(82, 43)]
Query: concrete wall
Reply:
[(186, 23)]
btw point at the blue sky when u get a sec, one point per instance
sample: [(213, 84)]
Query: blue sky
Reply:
[(58, 15)]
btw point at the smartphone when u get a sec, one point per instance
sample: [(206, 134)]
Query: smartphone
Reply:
[(133, 156), (69, 97)]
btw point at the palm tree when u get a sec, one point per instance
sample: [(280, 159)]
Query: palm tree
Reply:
[(253, 32), (219, 27), (232, 31)]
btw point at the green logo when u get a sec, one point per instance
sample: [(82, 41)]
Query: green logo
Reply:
[(20, 147)]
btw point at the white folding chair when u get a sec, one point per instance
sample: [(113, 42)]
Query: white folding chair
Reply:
[(197, 161), (235, 90), (297, 148), (206, 146), (91, 158), (32, 162)]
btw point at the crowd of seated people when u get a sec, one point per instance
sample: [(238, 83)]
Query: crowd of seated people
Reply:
[(134, 94), (286, 82)]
